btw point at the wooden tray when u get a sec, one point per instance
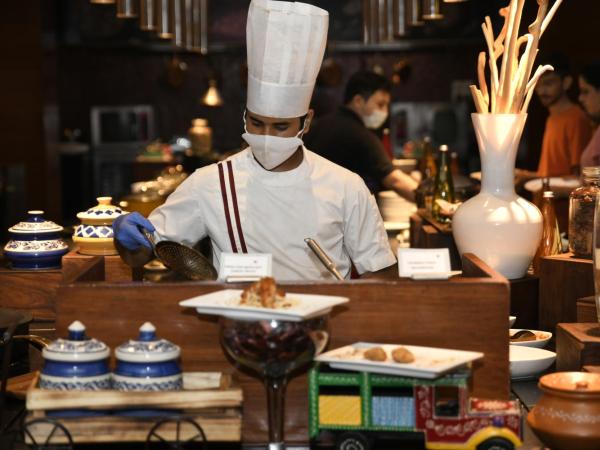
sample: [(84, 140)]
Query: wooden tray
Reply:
[(208, 398)]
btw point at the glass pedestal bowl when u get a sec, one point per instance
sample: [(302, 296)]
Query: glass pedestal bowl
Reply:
[(273, 349)]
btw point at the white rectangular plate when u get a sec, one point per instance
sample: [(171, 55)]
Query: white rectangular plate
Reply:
[(226, 303), (430, 362)]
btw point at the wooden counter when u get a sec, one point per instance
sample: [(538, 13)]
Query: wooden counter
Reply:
[(426, 232), (35, 290), (468, 313), (563, 280)]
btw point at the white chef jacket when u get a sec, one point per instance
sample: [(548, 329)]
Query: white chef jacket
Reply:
[(275, 212)]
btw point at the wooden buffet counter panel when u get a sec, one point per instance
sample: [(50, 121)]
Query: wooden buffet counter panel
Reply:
[(35, 291), (563, 280), (426, 232), (468, 313)]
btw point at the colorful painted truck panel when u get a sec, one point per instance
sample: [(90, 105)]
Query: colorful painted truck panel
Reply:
[(364, 406)]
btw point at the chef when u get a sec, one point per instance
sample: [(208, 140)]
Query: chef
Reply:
[(271, 196)]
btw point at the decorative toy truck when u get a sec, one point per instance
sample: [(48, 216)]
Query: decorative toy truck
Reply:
[(359, 408)]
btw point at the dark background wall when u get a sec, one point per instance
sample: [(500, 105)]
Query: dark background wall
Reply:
[(60, 58), (103, 60)]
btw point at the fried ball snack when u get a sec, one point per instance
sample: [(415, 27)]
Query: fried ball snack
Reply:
[(375, 354), (264, 294), (402, 355)]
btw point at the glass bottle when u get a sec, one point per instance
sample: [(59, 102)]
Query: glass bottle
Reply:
[(454, 164), (596, 256), (551, 243), (427, 166), (582, 202), (444, 187)]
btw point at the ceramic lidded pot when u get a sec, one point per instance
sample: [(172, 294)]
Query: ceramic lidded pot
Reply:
[(76, 363), (95, 234), (35, 243), (567, 416), (148, 363)]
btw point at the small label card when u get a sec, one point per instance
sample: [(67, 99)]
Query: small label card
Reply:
[(423, 261), (245, 267)]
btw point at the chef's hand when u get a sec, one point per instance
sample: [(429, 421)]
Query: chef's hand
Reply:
[(127, 231)]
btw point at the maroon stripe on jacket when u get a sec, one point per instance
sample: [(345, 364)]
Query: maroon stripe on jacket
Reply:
[(226, 208), (236, 211)]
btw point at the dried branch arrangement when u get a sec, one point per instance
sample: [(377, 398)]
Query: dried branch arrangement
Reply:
[(511, 87)]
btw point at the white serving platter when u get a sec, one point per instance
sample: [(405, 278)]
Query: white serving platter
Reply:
[(226, 303), (430, 362), (542, 338), (527, 362), (555, 182), (396, 226)]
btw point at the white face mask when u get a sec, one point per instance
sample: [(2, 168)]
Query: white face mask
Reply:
[(374, 120), (271, 151)]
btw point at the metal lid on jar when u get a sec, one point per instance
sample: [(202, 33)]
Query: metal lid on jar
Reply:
[(103, 211), (35, 224), (147, 348), (77, 347), (572, 382)]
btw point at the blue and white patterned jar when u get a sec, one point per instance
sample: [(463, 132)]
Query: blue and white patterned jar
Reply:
[(95, 234), (35, 244), (148, 363), (76, 363)]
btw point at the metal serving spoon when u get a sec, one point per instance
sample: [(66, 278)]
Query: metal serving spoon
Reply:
[(182, 259)]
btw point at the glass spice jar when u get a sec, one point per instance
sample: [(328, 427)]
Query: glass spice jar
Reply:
[(582, 203)]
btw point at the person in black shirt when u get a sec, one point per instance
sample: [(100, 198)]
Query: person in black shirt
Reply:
[(345, 137)]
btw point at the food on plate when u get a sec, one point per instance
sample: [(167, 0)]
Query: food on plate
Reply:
[(402, 355), (527, 335), (264, 294), (375, 354)]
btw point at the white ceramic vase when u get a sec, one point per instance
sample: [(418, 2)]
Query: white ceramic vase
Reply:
[(497, 225)]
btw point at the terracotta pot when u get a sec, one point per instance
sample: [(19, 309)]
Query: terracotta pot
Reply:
[(567, 417)]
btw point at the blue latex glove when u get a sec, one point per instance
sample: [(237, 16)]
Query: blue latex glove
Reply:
[(126, 229)]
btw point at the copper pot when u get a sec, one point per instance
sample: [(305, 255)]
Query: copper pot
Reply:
[(567, 416)]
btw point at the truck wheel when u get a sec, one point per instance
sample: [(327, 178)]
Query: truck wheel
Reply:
[(496, 444), (353, 441)]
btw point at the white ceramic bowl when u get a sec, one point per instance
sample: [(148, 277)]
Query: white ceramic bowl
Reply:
[(528, 361), (511, 320), (542, 338)]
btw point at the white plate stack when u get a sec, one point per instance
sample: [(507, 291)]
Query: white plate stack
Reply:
[(395, 210)]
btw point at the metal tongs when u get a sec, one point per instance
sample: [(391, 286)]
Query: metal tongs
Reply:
[(324, 258)]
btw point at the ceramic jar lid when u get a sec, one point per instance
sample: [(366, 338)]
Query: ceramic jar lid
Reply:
[(103, 212), (77, 347), (572, 382), (35, 224), (147, 348)]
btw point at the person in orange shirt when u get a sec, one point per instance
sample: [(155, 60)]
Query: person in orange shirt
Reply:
[(568, 130), (589, 96)]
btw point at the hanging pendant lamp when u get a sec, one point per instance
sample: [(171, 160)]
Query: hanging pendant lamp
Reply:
[(431, 10), (413, 13), (212, 96), (164, 18), (179, 28), (198, 24), (147, 15)]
